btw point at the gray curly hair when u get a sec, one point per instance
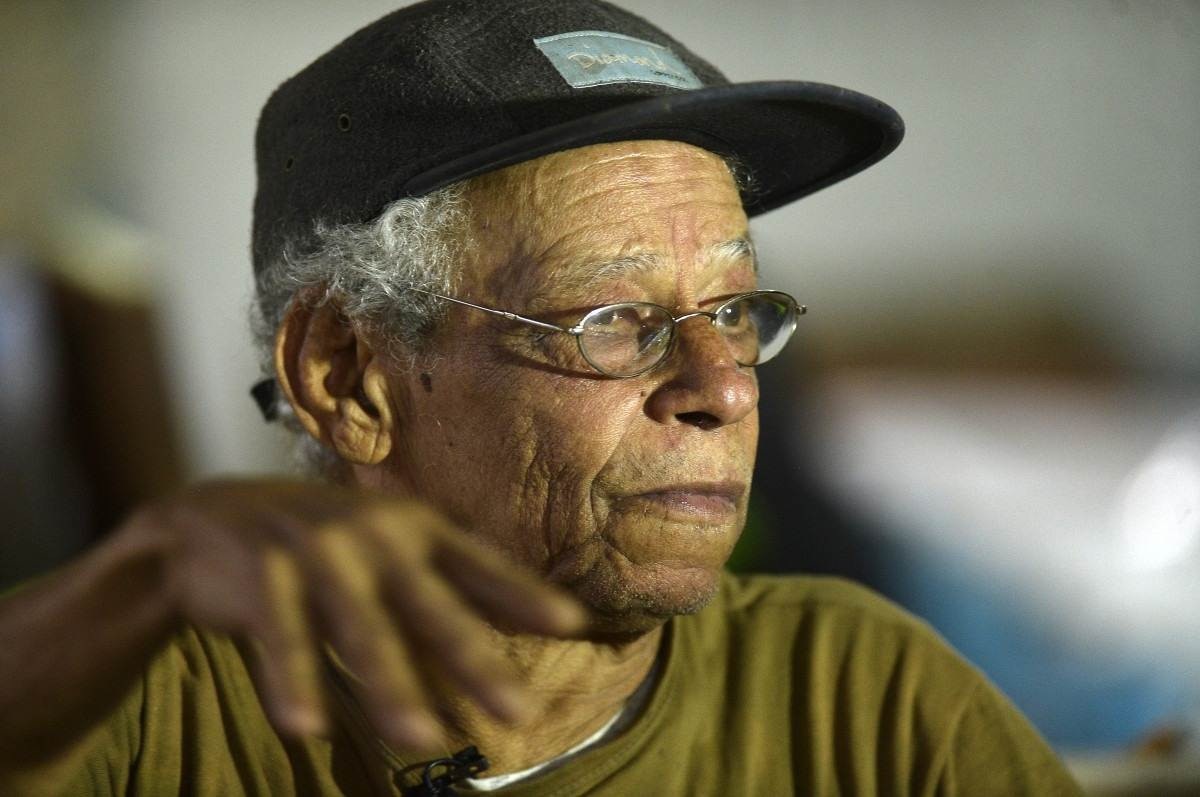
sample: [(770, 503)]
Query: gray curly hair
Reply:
[(367, 269)]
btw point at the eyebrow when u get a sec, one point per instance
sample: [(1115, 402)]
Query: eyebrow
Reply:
[(734, 249), (591, 274)]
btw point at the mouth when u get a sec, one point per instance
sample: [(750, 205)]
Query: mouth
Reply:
[(693, 501)]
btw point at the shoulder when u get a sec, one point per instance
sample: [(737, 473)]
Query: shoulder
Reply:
[(198, 662), (839, 643), (200, 680), (817, 604), (746, 592), (202, 714), (875, 684), (189, 723)]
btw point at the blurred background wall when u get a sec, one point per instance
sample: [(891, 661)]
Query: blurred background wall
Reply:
[(1051, 148), (990, 411)]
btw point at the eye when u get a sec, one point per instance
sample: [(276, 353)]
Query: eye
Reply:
[(733, 316), (626, 339), (625, 317)]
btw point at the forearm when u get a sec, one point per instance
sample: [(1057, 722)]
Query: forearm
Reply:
[(286, 566), (73, 643)]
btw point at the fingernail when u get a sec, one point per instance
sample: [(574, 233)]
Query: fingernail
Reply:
[(571, 616), (415, 729), (509, 702), (304, 720)]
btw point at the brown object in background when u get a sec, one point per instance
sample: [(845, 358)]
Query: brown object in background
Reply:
[(1161, 742), (116, 408)]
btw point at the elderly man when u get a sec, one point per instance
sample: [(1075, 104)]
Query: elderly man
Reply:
[(508, 296)]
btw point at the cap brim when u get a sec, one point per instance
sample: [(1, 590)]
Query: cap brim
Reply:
[(792, 137)]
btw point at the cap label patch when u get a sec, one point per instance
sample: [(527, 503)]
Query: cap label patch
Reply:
[(594, 58)]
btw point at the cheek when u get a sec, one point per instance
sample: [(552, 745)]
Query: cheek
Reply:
[(578, 426), (578, 437), (512, 453)]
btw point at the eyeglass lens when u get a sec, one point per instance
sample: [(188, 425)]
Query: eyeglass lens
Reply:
[(628, 339), (625, 339)]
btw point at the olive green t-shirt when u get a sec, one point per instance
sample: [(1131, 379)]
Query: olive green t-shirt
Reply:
[(782, 685)]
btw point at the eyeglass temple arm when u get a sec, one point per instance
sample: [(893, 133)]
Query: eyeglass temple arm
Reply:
[(501, 313)]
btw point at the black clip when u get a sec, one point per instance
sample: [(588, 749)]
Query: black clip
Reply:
[(266, 396), (466, 763)]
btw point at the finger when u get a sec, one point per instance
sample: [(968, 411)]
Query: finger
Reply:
[(287, 665), (356, 624), (505, 593), (455, 639)]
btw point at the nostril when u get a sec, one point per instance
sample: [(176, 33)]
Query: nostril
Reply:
[(701, 420)]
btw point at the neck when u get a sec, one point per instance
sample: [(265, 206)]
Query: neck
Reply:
[(574, 687)]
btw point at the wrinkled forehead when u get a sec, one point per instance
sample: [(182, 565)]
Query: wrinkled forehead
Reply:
[(558, 218)]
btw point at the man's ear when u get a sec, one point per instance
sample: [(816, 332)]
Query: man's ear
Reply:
[(337, 386)]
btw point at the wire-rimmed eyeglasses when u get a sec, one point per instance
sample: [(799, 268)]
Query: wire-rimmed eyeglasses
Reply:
[(629, 338)]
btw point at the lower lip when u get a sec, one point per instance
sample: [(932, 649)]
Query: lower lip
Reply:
[(695, 505)]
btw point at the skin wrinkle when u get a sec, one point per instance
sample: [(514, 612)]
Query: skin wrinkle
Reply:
[(546, 193), (583, 279), (585, 236), (537, 474), (572, 447), (642, 186)]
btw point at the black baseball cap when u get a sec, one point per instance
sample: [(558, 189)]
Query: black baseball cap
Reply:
[(444, 90)]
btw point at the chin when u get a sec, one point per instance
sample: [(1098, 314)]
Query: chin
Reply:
[(629, 599)]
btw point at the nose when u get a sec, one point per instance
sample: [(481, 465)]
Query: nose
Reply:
[(701, 384)]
